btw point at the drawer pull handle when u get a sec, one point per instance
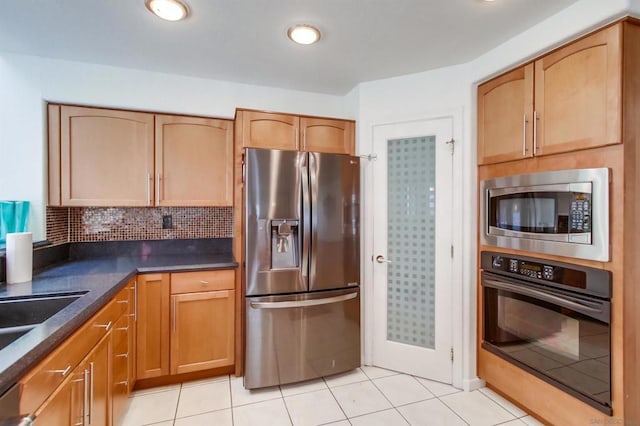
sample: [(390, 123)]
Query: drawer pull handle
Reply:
[(123, 301), (122, 328), (125, 383), (204, 282), (122, 356), (62, 372), (106, 326)]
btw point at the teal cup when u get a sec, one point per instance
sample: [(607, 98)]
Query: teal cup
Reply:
[(14, 217)]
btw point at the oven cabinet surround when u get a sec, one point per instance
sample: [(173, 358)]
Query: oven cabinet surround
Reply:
[(291, 132), (546, 402), (186, 323), (75, 384), (567, 100), (106, 157)]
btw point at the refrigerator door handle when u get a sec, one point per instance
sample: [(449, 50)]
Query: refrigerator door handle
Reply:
[(303, 303), (306, 218), (313, 212)]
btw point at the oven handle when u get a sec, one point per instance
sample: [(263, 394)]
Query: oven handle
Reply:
[(542, 295)]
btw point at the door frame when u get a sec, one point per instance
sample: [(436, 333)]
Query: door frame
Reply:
[(463, 307)]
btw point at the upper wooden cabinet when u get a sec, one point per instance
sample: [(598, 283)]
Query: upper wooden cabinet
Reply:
[(505, 111), (267, 130), (576, 103), (325, 135), (289, 132), (194, 164), (103, 157), (578, 94)]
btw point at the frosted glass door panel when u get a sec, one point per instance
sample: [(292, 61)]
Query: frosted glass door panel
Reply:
[(411, 216)]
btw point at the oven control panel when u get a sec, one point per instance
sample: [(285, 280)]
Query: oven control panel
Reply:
[(527, 268), (567, 276)]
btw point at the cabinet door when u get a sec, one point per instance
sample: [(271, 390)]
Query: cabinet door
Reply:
[(326, 135), (96, 366), (210, 343), (152, 345), (269, 131), (106, 157), (194, 161), (578, 94), (57, 409), (505, 117)]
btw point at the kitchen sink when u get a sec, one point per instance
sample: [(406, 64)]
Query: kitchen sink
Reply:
[(18, 316)]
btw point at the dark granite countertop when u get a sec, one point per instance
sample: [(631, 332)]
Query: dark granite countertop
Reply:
[(101, 278)]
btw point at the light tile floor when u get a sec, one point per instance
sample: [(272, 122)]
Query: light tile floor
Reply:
[(362, 397)]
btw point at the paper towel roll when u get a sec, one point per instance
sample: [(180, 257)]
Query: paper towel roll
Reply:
[(19, 257)]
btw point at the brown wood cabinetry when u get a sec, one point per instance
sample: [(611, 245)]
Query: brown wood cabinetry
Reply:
[(576, 104), (74, 385), (505, 111), (327, 135), (192, 333), (602, 66), (268, 130), (290, 132), (210, 343), (104, 157), (152, 346), (194, 165), (97, 369)]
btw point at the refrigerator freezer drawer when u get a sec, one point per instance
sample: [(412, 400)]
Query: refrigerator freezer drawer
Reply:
[(301, 337)]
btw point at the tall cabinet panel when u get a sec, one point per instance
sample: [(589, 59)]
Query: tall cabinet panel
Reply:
[(578, 95), (106, 157), (505, 117), (194, 164), (152, 354)]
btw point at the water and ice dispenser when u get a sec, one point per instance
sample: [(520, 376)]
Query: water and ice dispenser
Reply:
[(284, 244)]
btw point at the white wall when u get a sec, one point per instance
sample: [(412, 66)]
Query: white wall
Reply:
[(435, 92), (26, 82)]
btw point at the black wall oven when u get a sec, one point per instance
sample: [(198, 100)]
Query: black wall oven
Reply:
[(551, 319)]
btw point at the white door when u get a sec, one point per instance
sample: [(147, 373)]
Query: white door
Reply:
[(412, 240)]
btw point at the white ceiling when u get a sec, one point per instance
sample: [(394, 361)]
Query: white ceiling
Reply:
[(245, 40)]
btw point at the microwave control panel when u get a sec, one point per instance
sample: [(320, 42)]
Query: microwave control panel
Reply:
[(580, 213)]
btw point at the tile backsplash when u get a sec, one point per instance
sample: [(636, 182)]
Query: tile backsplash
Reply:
[(83, 224)]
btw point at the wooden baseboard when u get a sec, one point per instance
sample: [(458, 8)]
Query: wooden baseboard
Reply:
[(179, 378)]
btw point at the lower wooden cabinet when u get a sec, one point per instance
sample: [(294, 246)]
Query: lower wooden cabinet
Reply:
[(152, 326), (75, 384), (209, 344), (182, 330), (96, 367)]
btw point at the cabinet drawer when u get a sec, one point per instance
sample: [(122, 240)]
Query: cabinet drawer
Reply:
[(189, 282), (120, 333), (40, 382)]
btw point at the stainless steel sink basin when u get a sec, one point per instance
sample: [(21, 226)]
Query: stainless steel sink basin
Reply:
[(18, 316)]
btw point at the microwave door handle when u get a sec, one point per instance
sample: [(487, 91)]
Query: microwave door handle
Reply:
[(541, 295)]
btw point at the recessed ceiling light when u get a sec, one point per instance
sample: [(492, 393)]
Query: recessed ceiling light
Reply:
[(304, 34), (171, 10)]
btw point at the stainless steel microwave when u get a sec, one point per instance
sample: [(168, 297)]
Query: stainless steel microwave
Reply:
[(565, 213)]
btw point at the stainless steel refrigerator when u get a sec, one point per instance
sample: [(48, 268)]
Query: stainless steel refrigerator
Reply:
[(302, 266)]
